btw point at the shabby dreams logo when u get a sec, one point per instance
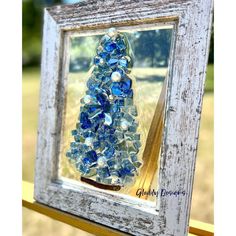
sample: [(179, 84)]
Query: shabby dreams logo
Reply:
[(162, 192)]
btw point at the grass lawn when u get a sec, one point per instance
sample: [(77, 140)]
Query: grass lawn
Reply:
[(202, 203)]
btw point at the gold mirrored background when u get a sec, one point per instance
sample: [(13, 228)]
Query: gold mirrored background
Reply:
[(151, 49)]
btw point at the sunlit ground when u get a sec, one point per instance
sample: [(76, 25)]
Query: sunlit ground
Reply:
[(202, 202)]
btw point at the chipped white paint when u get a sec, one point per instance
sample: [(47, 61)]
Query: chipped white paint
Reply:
[(192, 20)]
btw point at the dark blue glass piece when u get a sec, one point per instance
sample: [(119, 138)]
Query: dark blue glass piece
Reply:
[(105, 104), (101, 115), (96, 60), (126, 85), (120, 102), (90, 157), (110, 46), (112, 139), (104, 55), (92, 108), (84, 120)]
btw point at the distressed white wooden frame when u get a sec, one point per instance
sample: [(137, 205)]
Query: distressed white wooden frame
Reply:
[(192, 20)]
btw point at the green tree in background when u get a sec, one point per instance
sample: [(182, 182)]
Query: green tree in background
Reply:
[(32, 12)]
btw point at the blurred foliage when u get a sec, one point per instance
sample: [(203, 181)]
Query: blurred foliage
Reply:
[(153, 45), (32, 21), (32, 38), (209, 84)]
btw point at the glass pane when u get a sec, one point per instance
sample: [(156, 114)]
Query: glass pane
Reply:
[(113, 115)]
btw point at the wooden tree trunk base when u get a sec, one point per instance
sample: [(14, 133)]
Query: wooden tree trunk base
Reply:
[(99, 185)]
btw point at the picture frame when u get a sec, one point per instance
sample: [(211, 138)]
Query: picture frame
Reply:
[(184, 93)]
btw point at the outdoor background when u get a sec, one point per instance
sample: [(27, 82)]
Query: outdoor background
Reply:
[(36, 224)]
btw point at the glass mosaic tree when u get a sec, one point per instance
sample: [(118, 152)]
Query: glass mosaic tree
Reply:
[(106, 142)]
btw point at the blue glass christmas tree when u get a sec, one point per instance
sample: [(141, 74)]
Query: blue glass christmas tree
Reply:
[(106, 142)]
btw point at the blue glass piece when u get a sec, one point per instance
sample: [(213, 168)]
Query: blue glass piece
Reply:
[(104, 55), (103, 172), (123, 63), (111, 162), (126, 85), (105, 39), (110, 46), (105, 104), (93, 85), (109, 129), (119, 135), (134, 158), (129, 102), (112, 61), (115, 108), (133, 111), (74, 150), (88, 134), (98, 179), (122, 88), (68, 154), (77, 138), (107, 180), (128, 180), (96, 60), (123, 172), (84, 120), (113, 139), (90, 157), (116, 173), (106, 79), (116, 89), (83, 168), (128, 166), (96, 144), (121, 44), (74, 144), (96, 113), (128, 117), (96, 128), (137, 137), (137, 144), (130, 93), (101, 115), (120, 102), (74, 132), (109, 152), (92, 108)]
